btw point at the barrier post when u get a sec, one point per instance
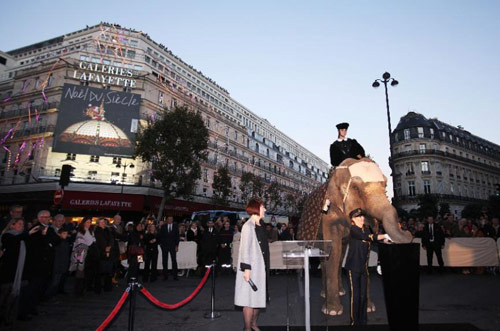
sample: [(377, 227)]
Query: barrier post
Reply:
[(133, 294), (212, 314)]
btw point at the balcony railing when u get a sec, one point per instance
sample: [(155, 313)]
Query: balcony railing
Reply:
[(26, 111), (439, 197), (31, 131), (445, 154)]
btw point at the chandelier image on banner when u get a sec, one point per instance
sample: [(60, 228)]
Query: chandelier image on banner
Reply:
[(95, 131)]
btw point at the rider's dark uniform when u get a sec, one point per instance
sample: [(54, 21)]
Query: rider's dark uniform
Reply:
[(348, 148)]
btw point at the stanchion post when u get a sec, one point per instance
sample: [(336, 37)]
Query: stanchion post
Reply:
[(133, 294), (212, 314)]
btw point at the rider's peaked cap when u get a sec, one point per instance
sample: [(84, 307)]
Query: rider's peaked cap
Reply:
[(357, 212), (343, 125)]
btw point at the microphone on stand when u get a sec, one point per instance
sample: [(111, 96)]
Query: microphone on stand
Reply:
[(252, 284)]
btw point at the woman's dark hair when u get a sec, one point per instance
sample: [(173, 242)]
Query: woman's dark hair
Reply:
[(81, 226), (253, 206)]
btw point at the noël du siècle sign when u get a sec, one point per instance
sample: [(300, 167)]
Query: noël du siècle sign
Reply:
[(105, 74)]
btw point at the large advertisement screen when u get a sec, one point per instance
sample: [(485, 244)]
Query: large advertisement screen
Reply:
[(96, 121)]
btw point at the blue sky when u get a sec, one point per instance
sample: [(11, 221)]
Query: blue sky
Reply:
[(306, 66)]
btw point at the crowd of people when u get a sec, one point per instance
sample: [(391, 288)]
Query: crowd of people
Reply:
[(38, 256), (453, 227)]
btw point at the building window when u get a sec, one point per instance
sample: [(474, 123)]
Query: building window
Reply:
[(205, 175), (452, 190), (94, 158), (71, 156), (407, 134), (427, 187), (422, 148), (432, 133), (131, 54), (420, 132), (409, 167), (92, 175), (411, 189), (117, 160), (115, 177), (425, 167), (160, 98)]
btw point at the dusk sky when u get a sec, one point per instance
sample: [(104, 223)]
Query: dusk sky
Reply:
[(308, 65)]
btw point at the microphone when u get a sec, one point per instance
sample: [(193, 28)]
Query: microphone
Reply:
[(252, 284)]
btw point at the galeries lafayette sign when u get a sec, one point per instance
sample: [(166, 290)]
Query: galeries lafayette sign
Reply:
[(102, 201), (105, 74)]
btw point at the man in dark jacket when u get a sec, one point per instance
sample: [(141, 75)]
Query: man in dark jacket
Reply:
[(344, 148), (39, 262), (433, 242), (169, 242), (209, 244)]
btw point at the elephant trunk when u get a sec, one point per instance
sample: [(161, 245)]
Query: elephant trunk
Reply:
[(384, 211), (391, 226)]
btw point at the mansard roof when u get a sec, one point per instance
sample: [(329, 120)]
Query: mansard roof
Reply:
[(414, 120)]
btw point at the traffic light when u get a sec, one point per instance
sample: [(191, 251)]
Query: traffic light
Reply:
[(65, 175), (497, 188)]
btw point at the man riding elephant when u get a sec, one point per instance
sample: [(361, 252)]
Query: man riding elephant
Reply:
[(344, 148)]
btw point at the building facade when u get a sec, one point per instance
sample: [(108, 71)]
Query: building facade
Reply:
[(79, 99), (432, 157)]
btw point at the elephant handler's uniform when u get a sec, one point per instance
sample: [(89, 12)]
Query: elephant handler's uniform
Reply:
[(357, 266), (343, 149)]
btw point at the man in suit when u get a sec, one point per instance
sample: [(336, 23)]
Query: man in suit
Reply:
[(40, 253), (169, 242), (209, 244), (433, 242), (344, 147)]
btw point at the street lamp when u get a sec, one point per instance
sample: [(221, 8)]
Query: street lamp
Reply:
[(386, 78), (124, 166)]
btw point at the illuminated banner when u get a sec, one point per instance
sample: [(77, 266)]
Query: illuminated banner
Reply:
[(96, 121)]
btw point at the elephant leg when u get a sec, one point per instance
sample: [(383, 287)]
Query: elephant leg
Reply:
[(332, 306), (370, 305), (342, 291)]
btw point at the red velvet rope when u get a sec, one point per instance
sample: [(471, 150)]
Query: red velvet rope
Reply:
[(160, 304), (115, 311)]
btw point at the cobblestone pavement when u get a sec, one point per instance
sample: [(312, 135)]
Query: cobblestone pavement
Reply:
[(447, 298)]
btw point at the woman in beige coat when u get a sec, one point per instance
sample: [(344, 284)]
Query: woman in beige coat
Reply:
[(251, 276)]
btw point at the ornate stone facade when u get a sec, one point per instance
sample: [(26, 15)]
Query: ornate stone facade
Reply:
[(432, 157)]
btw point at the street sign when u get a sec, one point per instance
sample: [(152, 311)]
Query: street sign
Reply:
[(58, 196)]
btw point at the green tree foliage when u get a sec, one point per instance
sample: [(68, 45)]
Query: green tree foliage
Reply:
[(174, 145), (427, 205), (251, 186), (472, 211), (494, 206), (222, 186), (273, 197), (291, 204), (444, 208)]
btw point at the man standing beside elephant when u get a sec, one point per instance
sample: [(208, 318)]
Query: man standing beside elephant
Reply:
[(344, 148)]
